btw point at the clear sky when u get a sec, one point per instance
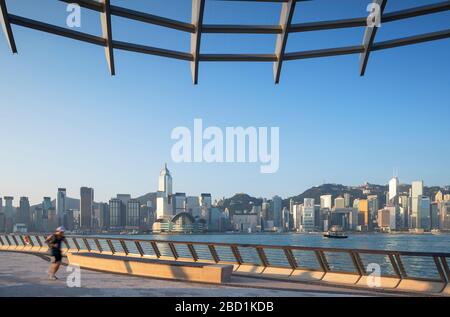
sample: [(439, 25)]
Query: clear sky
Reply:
[(65, 122)]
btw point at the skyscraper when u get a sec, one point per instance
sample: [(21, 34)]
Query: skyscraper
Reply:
[(277, 203), (325, 201), (86, 207), (424, 216), (24, 215), (117, 214), (164, 209), (133, 212), (416, 192), (61, 205), (393, 190), (339, 202)]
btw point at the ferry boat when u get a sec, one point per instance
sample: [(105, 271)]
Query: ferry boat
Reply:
[(335, 232), (335, 235)]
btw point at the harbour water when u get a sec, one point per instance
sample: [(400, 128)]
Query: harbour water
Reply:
[(415, 266), (372, 241)]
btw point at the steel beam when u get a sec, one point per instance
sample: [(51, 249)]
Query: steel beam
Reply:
[(53, 29), (241, 29), (415, 39), (369, 37), (105, 17), (152, 50), (198, 7), (6, 25), (287, 12), (324, 52), (238, 58), (327, 25)]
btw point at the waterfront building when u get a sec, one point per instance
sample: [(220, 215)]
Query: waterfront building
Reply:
[(444, 215), (2, 222), (10, 213), (52, 222), (372, 204), (285, 219), (277, 203), (424, 213), (308, 220), (347, 200), (179, 203), (297, 216), (364, 212), (86, 207), (246, 222), (387, 218), (164, 208), (24, 213), (205, 200), (416, 193), (439, 196), (133, 214), (347, 218), (193, 205), (266, 210), (148, 216), (434, 209), (69, 220), (181, 223), (393, 191), (326, 201), (117, 214), (104, 217), (339, 202), (61, 204)]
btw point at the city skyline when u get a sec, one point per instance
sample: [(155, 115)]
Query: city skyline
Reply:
[(334, 125), (175, 189)]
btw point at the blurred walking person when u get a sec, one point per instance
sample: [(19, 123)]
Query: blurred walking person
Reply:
[(54, 242)]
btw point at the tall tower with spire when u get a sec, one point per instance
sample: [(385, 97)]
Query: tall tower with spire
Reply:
[(164, 208), (165, 182)]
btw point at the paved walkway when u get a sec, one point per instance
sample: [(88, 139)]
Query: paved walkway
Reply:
[(25, 275)]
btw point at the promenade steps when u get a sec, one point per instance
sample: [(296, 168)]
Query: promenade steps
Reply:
[(212, 272)]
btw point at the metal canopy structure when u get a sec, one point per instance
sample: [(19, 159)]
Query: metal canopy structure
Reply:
[(196, 28)]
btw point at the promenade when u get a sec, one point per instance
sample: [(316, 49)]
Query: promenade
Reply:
[(25, 275)]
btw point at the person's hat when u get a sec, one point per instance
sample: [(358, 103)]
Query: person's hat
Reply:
[(60, 229)]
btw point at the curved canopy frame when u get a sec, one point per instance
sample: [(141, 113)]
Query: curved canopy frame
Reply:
[(196, 28)]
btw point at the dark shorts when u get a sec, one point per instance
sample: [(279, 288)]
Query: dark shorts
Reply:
[(56, 254)]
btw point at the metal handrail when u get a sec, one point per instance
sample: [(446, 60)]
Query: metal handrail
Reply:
[(234, 254)]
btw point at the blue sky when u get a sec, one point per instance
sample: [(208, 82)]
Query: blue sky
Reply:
[(65, 122)]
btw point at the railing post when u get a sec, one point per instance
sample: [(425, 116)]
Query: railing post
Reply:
[(322, 260), (395, 266), (124, 247), (446, 269), (439, 268), (213, 251), (99, 247), (155, 249), (290, 257), (23, 240), (15, 240), (86, 243), (357, 263), (237, 254), (173, 250), (1, 241), (400, 266), (193, 252), (38, 239), (262, 256), (139, 248), (7, 240), (76, 244), (111, 246)]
